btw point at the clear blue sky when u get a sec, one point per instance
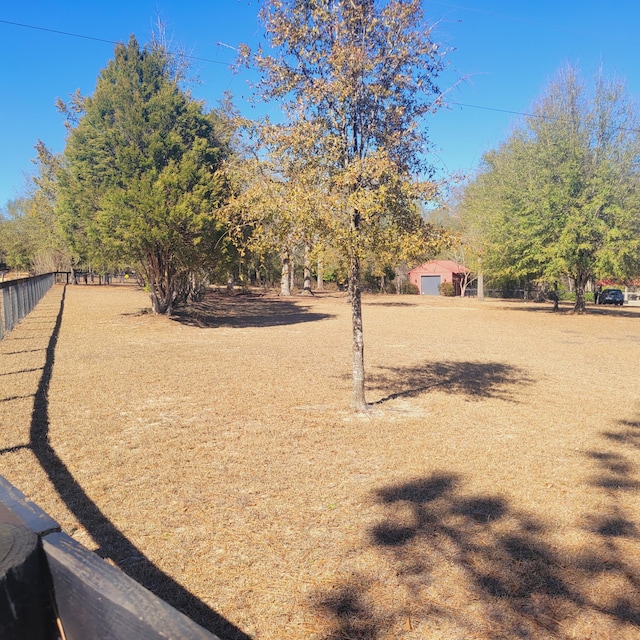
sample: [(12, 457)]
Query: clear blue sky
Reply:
[(505, 53)]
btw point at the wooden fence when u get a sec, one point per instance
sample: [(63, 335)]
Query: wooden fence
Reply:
[(53, 588)]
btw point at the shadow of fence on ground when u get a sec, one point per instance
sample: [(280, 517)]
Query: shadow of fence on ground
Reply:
[(475, 380), (480, 568), (243, 311), (112, 543)]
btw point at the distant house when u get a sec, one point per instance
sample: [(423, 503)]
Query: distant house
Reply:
[(428, 276)]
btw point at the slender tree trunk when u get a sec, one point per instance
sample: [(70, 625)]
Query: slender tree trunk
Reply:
[(320, 283), (292, 274), (231, 282), (285, 281), (480, 281), (358, 400), (307, 271), (553, 295)]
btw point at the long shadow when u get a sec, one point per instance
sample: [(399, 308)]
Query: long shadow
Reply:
[(15, 353), (11, 398), (567, 309), (369, 303), (112, 543), (475, 380), (15, 373), (243, 311), (17, 447), (501, 563), (618, 312)]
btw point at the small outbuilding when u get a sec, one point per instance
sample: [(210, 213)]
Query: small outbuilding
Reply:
[(430, 275)]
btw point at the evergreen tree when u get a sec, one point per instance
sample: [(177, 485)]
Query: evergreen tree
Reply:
[(30, 233), (142, 181), (560, 197)]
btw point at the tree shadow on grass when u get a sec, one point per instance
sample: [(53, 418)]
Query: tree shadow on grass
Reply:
[(113, 544), (243, 311), (474, 380), (480, 568), (567, 308), (627, 436), (369, 303)]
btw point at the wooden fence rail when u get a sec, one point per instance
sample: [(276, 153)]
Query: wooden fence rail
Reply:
[(53, 588)]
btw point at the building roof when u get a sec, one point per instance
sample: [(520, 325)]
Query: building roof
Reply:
[(438, 266)]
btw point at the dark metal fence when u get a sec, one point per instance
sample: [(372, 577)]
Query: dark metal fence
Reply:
[(19, 297)]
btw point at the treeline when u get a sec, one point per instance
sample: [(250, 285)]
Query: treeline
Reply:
[(151, 179), (559, 199)]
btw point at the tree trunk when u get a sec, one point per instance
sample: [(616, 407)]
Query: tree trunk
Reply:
[(358, 401), (285, 282), (320, 283), (307, 271), (231, 282), (580, 282), (480, 281), (161, 298), (161, 283), (292, 275)]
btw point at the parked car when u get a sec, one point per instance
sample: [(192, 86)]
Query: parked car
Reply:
[(611, 296)]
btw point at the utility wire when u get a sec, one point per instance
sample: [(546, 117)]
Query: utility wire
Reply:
[(63, 33), (540, 116), (113, 42), (85, 37)]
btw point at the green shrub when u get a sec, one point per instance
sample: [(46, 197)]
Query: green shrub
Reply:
[(570, 296), (407, 288), (411, 289), (447, 289)]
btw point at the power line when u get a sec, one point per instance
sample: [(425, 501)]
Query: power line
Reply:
[(515, 113), (191, 57), (112, 42), (540, 116), (63, 33)]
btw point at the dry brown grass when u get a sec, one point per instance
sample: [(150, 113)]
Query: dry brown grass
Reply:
[(492, 492)]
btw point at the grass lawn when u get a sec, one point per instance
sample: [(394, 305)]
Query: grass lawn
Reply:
[(493, 491)]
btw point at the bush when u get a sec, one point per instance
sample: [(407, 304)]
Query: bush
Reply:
[(408, 288), (447, 289), (570, 296)]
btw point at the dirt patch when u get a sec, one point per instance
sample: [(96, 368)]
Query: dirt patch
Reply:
[(492, 492)]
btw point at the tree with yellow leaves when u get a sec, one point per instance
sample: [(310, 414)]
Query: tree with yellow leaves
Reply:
[(355, 79)]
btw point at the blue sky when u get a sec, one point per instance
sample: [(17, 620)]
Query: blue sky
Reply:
[(504, 54)]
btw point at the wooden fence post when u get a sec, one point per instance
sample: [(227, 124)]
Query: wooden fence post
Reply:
[(26, 612), (46, 576), (98, 601)]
